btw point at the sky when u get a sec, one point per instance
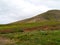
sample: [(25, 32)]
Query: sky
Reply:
[(15, 10)]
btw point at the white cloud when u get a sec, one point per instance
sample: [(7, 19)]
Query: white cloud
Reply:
[(12, 10)]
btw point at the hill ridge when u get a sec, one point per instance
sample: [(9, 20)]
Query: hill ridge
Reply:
[(50, 15)]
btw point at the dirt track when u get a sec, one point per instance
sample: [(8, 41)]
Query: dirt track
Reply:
[(5, 41)]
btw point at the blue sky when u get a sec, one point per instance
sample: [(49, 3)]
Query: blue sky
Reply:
[(14, 10)]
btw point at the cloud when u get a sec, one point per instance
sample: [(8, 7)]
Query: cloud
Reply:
[(13, 10), (54, 4)]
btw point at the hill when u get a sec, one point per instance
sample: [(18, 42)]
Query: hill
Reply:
[(49, 20), (43, 29), (51, 15)]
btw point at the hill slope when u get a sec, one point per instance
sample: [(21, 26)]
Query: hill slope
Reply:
[(43, 29), (51, 15), (49, 20)]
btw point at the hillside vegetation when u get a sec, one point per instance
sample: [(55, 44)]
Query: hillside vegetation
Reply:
[(43, 29), (37, 37)]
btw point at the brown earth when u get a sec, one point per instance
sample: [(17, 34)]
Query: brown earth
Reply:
[(46, 27), (5, 41), (54, 27)]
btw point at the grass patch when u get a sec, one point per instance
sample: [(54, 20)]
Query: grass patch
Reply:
[(35, 37)]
